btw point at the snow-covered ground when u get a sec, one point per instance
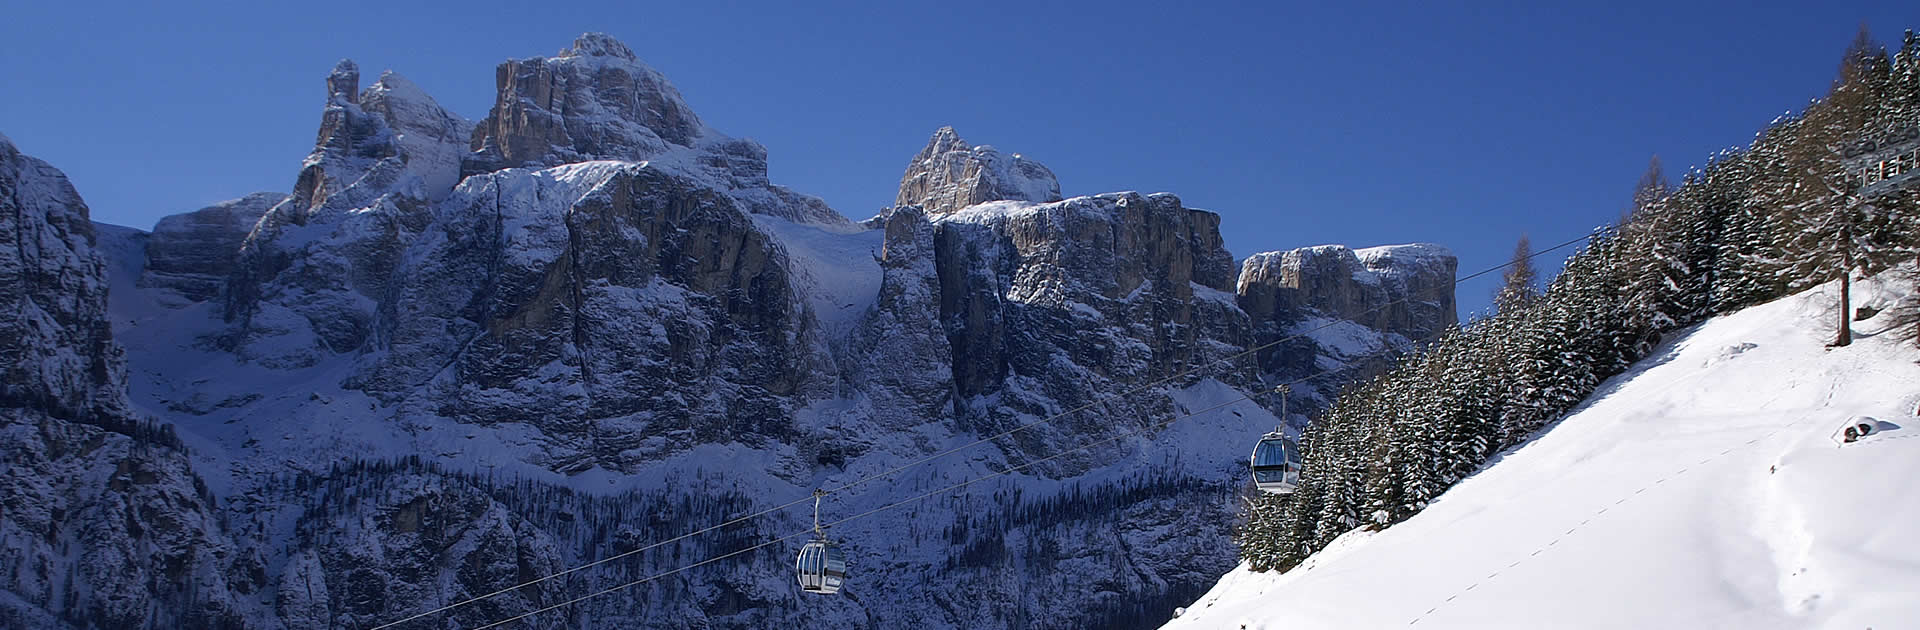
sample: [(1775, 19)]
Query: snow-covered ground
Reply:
[(1706, 488)]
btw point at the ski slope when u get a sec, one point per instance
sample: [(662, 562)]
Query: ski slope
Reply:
[(1705, 488)]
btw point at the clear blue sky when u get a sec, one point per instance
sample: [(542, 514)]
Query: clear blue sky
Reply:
[(1301, 123)]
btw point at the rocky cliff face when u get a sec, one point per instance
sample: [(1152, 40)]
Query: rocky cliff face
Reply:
[(626, 312), (461, 356), (1403, 289), (60, 358), (950, 174), (102, 521), (1369, 301), (1055, 304), (593, 101), (192, 254), (597, 101), (316, 269)]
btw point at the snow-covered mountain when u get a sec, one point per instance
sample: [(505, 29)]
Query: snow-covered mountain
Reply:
[(461, 355), (1709, 486)]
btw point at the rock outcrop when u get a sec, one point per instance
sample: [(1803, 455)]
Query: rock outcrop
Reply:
[(949, 175), (1401, 289), (101, 517), (626, 308), (1049, 305), (59, 355), (626, 312), (311, 275), (594, 101), (193, 253), (598, 101), (900, 347), (1330, 305)]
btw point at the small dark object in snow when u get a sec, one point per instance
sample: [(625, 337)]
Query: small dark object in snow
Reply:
[(1853, 433)]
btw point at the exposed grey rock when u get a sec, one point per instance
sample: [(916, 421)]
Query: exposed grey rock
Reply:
[(950, 174), (900, 350), (1404, 289), (597, 101), (193, 253), (1083, 296), (1398, 297), (625, 311), (59, 356), (111, 531), (343, 82), (313, 264), (594, 101), (102, 521)]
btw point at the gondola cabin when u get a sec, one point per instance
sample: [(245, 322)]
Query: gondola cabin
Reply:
[(1276, 464), (822, 567)]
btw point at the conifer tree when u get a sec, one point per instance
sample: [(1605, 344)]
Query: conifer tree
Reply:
[(1827, 212), (1652, 186), (1517, 285), (1749, 226)]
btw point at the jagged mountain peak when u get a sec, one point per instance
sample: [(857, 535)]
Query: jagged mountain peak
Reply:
[(344, 81), (949, 175), (598, 101), (593, 101), (944, 139), (598, 45)]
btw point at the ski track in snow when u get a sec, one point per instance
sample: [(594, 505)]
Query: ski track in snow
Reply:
[(1703, 488)]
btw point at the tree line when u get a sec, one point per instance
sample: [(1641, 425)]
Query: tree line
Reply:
[(1782, 215)]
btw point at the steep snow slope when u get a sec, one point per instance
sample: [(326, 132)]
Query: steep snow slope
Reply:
[(1702, 489)]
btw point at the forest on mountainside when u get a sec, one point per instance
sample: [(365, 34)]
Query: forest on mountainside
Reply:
[(1820, 195)]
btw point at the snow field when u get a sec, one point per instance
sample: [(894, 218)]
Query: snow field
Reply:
[(1703, 488)]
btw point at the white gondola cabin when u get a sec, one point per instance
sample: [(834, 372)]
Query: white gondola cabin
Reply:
[(822, 567), (1276, 464)]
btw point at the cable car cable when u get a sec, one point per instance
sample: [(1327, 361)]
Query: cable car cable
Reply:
[(596, 563), (1123, 434), (1178, 375), (883, 508), (897, 469)]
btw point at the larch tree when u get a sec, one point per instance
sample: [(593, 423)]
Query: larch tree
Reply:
[(1827, 209), (1517, 286), (1652, 187)]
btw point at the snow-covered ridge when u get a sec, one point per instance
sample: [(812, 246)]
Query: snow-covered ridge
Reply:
[(1705, 487), (1409, 250)]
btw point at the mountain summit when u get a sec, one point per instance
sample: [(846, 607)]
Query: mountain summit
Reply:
[(950, 174)]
